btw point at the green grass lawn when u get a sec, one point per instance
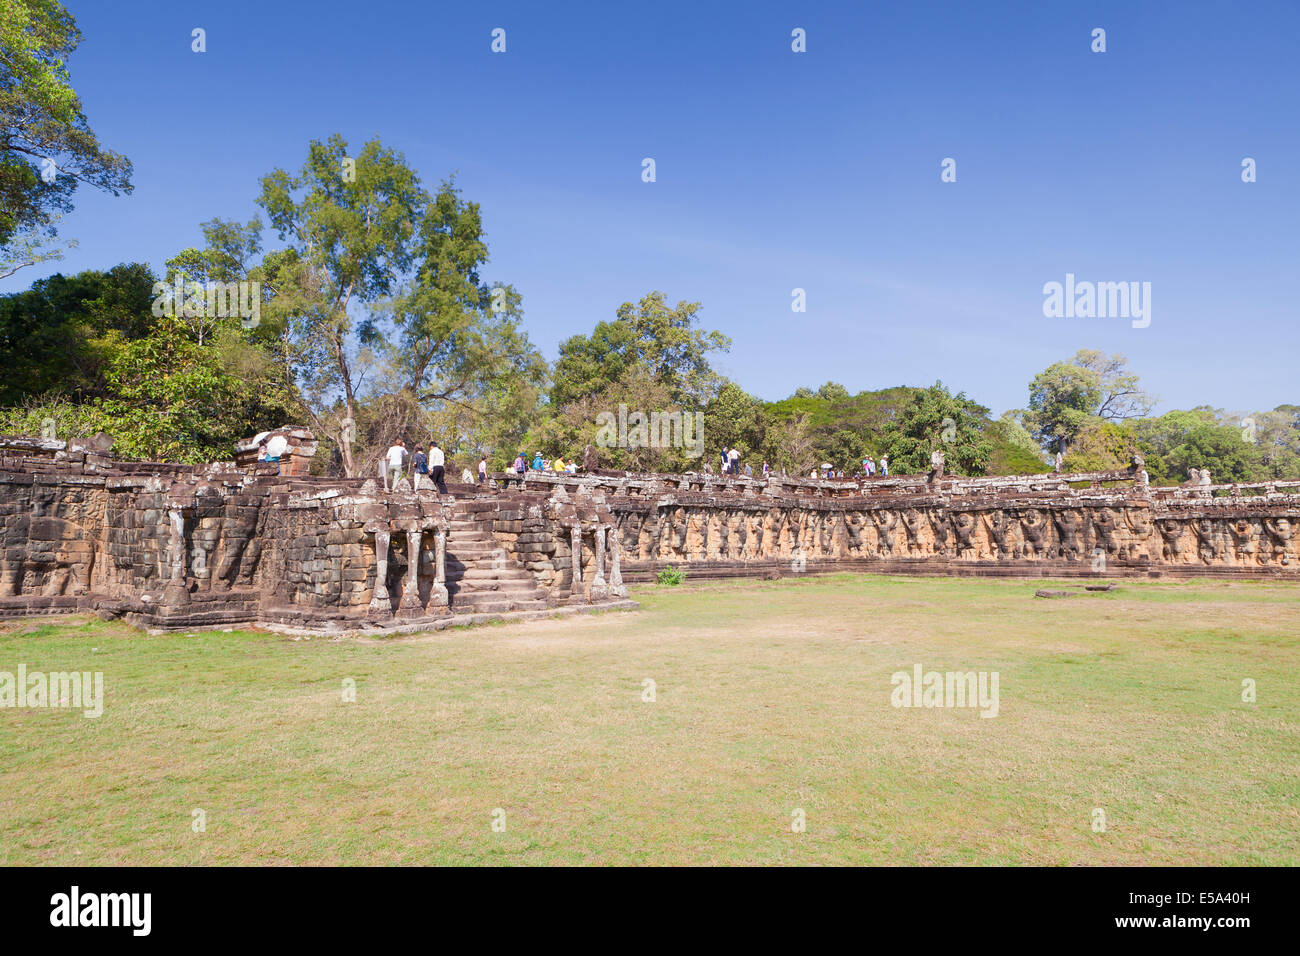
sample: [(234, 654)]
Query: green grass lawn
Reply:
[(770, 697)]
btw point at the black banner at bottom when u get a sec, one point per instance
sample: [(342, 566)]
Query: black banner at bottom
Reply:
[(333, 906)]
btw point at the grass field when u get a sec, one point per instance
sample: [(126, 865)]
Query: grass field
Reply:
[(770, 697)]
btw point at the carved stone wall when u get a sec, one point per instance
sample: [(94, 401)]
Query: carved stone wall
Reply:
[(173, 546)]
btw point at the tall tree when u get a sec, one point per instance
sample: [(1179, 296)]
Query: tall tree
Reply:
[(649, 335), (458, 341), (351, 223), (936, 420), (46, 145), (1090, 388)]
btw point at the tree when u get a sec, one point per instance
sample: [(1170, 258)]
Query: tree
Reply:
[(227, 257), (1101, 446), (833, 392), (937, 420), (87, 352), (46, 146), (459, 346), (31, 245), (57, 336), (351, 226), (648, 335), (736, 419), (1069, 395)]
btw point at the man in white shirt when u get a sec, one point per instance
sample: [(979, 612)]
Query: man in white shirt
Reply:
[(437, 467), (396, 457)]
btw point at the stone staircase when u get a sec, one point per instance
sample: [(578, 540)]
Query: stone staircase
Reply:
[(481, 577)]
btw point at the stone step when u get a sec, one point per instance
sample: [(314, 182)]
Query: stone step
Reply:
[(483, 605), (494, 574), (488, 569), (493, 584), (460, 545)]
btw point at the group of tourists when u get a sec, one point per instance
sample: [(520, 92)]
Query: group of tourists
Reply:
[(869, 469), (556, 465), (430, 466), (729, 464)]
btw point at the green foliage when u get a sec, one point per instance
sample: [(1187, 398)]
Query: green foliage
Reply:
[(87, 352), (736, 419), (1071, 396), (936, 420), (648, 335), (1101, 446), (1014, 451), (41, 118), (670, 577), (1175, 443), (58, 336)]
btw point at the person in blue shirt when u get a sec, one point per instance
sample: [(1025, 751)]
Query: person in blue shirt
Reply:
[(538, 465), (421, 463)]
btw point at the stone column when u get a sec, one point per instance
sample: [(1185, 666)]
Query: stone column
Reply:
[(410, 605), (575, 542), (616, 586), (176, 594), (438, 593), (381, 601), (598, 588)]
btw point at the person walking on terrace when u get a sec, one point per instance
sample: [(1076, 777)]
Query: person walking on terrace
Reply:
[(884, 464), (482, 470), (438, 467), (734, 455), (394, 458), (420, 467)]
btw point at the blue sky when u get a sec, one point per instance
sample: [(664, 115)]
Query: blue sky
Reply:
[(775, 170)]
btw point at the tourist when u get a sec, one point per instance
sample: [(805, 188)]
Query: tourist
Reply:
[(884, 464), (482, 470), (749, 472), (572, 468), (395, 458), (520, 467), (558, 464), (420, 467), (767, 471), (538, 464), (734, 455), (722, 469), (437, 463)]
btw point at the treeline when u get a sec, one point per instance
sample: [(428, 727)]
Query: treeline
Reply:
[(99, 351)]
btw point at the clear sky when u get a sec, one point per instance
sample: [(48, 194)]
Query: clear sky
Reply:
[(775, 169)]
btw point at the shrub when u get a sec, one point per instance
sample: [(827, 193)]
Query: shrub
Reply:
[(671, 577)]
